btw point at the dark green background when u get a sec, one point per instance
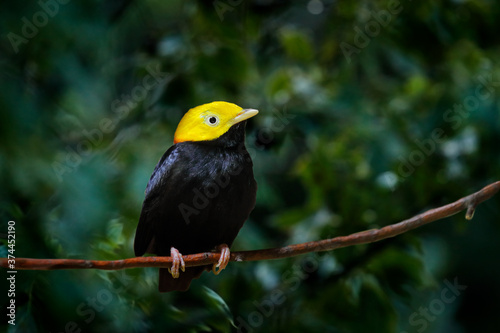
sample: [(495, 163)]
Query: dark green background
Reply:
[(370, 112)]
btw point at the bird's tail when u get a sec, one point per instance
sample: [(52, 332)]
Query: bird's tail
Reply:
[(168, 283)]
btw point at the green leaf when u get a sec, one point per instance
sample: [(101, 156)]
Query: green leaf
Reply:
[(218, 303)]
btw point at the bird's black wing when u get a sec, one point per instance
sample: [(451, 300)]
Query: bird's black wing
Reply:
[(157, 185)]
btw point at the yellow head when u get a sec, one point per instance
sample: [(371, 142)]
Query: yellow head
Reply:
[(210, 121)]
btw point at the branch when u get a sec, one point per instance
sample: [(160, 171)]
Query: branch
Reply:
[(469, 203)]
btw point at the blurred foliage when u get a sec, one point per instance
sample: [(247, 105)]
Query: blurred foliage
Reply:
[(371, 112)]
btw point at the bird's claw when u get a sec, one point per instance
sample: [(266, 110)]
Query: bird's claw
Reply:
[(225, 255), (176, 262)]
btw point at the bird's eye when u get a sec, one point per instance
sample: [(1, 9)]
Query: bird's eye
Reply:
[(212, 121)]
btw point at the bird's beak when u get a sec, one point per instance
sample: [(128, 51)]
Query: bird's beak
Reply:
[(244, 115)]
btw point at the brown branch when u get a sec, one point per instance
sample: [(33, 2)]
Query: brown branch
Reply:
[(469, 203)]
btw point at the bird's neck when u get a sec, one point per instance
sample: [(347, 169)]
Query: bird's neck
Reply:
[(233, 138)]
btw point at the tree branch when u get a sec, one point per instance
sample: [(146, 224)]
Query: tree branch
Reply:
[(468, 203)]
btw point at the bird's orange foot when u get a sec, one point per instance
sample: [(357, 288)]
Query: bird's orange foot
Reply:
[(176, 262), (225, 254)]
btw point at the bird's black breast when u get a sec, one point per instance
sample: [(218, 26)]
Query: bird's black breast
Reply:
[(198, 197)]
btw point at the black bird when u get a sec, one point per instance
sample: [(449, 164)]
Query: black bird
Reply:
[(200, 193)]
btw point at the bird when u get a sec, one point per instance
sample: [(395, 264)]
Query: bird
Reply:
[(200, 193)]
